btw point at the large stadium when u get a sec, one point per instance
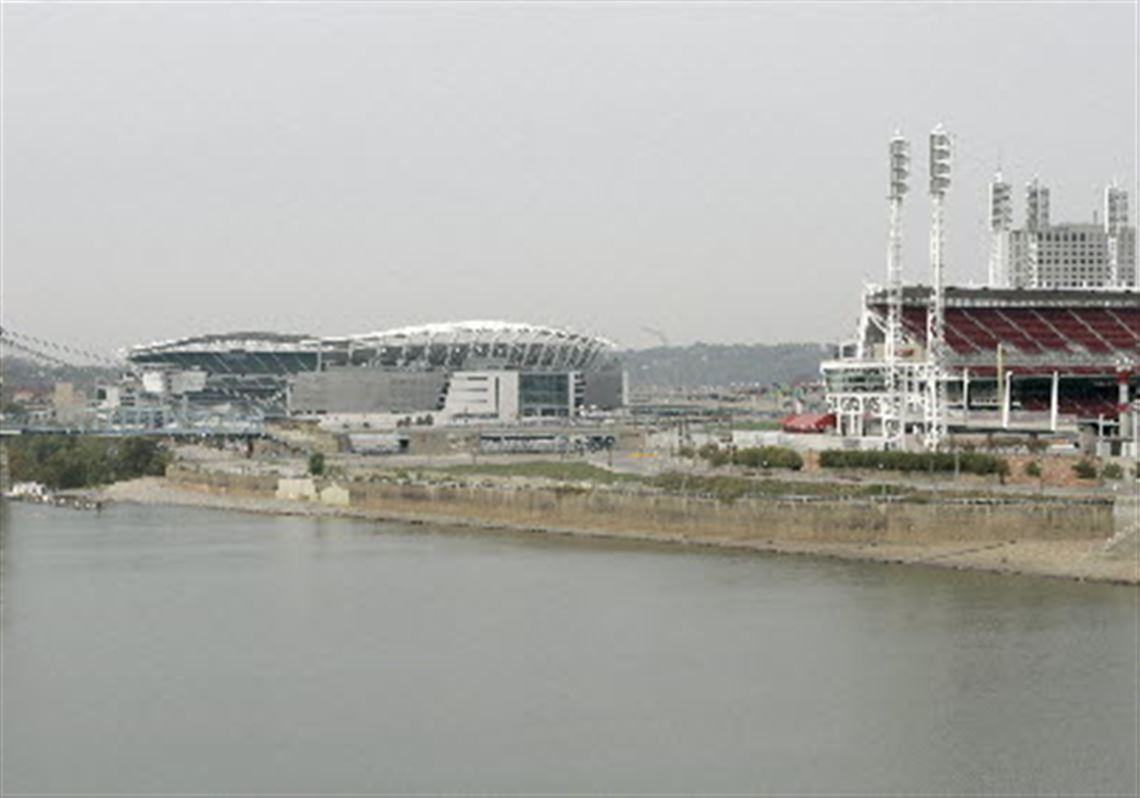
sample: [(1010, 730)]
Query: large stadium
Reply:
[(1030, 359), (1051, 344), (462, 371)]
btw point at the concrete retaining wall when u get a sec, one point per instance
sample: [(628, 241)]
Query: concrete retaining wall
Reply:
[(607, 511), (300, 489), (1126, 542), (212, 482), (694, 518)]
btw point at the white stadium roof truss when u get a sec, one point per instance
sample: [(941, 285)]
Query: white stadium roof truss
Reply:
[(482, 344), (459, 345)]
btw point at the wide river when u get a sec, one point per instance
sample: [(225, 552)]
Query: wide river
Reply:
[(151, 650)]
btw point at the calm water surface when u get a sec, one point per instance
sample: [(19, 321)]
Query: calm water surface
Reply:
[(160, 650)]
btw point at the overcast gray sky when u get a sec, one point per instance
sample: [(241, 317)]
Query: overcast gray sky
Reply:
[(713, 171)]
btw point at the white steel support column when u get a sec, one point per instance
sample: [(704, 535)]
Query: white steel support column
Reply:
[(1006, 401), (1123, 375), (904, 402), (965, 396), (1054, 401)]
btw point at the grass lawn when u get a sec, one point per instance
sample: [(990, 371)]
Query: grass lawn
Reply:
[(564, 471)]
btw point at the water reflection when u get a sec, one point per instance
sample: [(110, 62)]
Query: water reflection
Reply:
[(163, 650), (5, 520)]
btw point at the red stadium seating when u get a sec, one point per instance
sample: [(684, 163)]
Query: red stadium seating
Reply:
[(1034, 331), (1086, 337), (1084, 408)]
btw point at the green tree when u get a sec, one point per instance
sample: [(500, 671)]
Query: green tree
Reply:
[(1085, 469), (316, 464)]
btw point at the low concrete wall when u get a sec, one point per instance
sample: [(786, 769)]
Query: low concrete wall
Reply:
[(336, 495), (696, 518), (668, 516), (1126, 542), (299, 489), (213, 482)]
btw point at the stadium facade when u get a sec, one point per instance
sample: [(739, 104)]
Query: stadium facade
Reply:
[(458, 372), (1052, 343), (1015, 358)]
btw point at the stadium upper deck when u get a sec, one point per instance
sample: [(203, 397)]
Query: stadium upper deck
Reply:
[(234, 353), (1089, 332), (474, 345), (449, 346)]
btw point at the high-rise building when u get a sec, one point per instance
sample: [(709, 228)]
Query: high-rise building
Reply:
[(1067, 255)]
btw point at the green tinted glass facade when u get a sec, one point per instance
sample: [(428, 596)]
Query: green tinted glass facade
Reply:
[(544, 394)]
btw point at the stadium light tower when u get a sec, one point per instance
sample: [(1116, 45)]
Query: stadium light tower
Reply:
[(1036, 224), (1115, 219), (936, 316), (1036, 206), (1001, 220), (899, 162)]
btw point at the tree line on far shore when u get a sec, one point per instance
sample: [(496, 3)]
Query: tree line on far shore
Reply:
[(62, 462)]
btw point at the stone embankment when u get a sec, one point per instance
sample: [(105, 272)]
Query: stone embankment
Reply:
[(1124, 545), (1076, 538)]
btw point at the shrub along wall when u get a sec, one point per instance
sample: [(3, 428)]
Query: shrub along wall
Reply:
[(965, 462), (768, 457), (759, 457)]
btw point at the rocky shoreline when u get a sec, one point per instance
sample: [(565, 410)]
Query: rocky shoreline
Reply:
[(1080, 559)]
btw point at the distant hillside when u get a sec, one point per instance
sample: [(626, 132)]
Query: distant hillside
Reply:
[(724, 364), (20, 372)]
